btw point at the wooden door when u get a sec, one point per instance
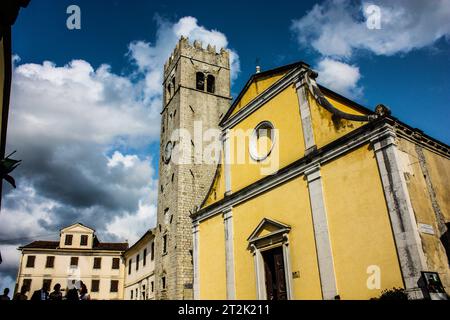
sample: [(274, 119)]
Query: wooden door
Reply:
[(275, 274)]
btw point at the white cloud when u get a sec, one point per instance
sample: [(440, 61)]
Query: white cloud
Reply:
[(73, 127), (118, 158), (150, 58), (132, 226), (338, 27), (340, 77)]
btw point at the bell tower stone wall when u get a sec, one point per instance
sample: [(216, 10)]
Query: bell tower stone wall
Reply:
[(183, 186)]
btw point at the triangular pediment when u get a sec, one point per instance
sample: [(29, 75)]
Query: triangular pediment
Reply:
[(258, 84), (77, 227), (268, 228)]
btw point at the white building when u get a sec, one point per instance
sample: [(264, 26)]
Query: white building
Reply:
[(78, 255), (140, 266)]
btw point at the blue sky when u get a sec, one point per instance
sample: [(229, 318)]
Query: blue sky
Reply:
[(414, 84), (86, 123)]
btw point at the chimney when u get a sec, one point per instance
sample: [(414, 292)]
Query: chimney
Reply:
[(258, 69)]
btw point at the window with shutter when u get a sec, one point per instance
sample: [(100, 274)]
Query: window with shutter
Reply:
[(95, 285), (74, 261), (26, 283), (47, 283), (50, 263), (30, 261), (83, 240), (97, 263), (68, 240), (114, 285), (115, 263)]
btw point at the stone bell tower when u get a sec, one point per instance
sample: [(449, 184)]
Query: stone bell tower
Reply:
[(196, 94)]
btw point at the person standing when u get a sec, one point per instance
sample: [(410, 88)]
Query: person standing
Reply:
[(5, 296), (56, 294), (72, 293), (84, 295), (42, 294), (22, 294)]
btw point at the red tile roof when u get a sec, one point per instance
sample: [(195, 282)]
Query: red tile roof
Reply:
[(113, 246), (42, 245)]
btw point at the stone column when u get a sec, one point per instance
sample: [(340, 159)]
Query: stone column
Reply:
[(305, 114), (229, 255), (321, 233), (196, 259), (401, 214)]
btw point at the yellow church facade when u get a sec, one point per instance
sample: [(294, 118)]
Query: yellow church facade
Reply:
[(317, 197)]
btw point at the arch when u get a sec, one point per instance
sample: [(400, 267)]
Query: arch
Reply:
[(200, 81), (210, 84)]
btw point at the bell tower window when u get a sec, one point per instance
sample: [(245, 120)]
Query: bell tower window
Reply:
[(200, 81), (210, 84), (169, 91)]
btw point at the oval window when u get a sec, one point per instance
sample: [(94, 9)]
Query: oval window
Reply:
[(168, 151), (262, 141)]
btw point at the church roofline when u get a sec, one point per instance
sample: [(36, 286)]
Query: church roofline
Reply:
[(257, 76)]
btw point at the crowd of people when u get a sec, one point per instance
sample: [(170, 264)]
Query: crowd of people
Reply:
[(74, 293)]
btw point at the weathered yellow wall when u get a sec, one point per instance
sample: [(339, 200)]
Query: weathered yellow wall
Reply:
[(288, 204), (359, 225), (256, 87), (212, 259), (283, 112), (325, 128), (217, 190), (439, 171)]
